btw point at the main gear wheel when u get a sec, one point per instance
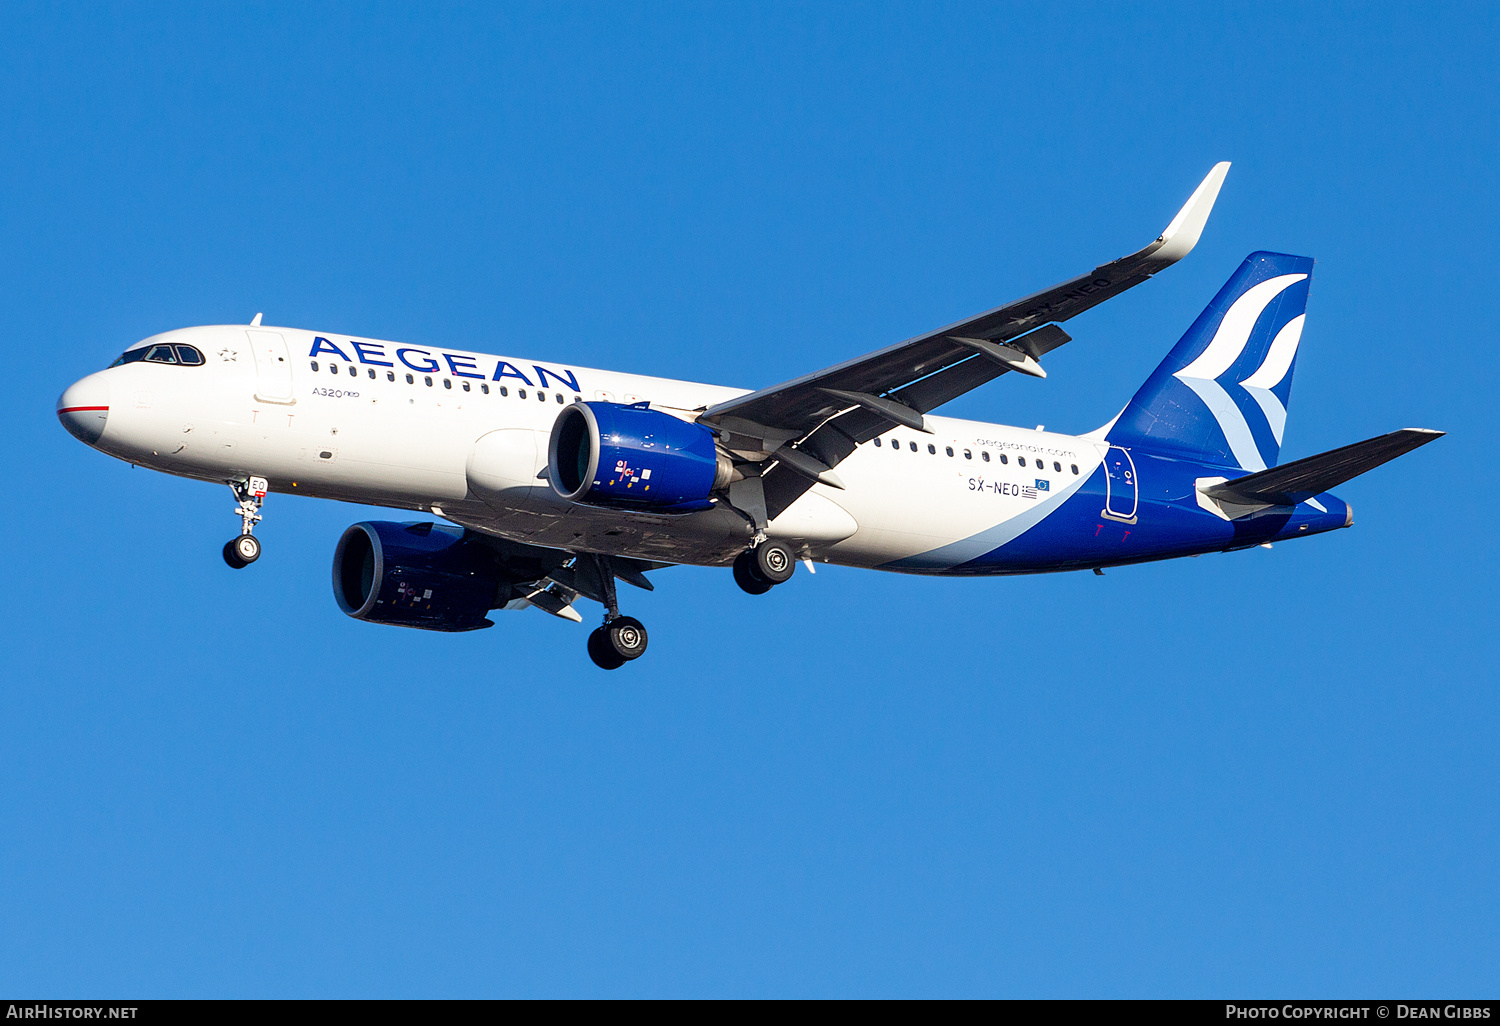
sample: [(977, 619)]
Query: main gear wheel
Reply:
[(617, 643)]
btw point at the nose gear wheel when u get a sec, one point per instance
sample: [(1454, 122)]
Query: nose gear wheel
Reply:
[(240, 552)]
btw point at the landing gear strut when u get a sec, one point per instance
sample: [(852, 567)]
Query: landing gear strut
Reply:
[(240, 552), (621, 638), (760, 569)]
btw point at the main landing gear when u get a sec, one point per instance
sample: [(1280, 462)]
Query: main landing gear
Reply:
[(761, 568), (622, 638), (242, 551)]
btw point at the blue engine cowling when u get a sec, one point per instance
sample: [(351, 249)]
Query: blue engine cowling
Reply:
[(416, 575), (633, 457)]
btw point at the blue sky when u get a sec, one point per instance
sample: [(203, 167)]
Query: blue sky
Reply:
[(1264, 773)]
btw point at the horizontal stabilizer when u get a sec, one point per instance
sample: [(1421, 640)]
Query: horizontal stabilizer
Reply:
[(1300, 480)]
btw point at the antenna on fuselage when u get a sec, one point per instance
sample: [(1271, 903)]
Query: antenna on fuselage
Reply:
[(255, 321)]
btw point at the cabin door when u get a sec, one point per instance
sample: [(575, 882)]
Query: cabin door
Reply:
[(1121, 490), (273, 367)]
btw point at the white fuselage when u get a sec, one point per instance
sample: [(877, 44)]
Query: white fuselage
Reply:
[(464, 436)]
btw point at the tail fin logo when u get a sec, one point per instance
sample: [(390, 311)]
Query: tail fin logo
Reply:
[(1202, 374)]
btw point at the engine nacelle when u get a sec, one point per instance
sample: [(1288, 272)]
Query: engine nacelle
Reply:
[(634, 457), (416, 575)]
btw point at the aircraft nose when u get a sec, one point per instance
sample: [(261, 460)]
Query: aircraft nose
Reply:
[(84, 407)]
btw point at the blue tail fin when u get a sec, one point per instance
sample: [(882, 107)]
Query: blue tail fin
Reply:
[(1222, 393)]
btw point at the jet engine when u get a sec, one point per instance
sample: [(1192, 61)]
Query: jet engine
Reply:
[(634, 457), (422, 575)]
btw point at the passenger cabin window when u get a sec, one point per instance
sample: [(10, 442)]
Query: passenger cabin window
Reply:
[(390, 375), (427, 378), (984, 455), (506, 391), (466, 386), (372, 373), (485, 389), (353, 371), (1004, 458), (541, 397), (877, 443), (968, 455), (559, 398), (1075, 468), (521, 393), (948, 449), (410, 380), (1021, 461), (932, 449), (913, 446), (314, 364), (447, 382)]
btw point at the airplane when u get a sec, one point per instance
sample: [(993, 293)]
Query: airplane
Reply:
[(556, 482)]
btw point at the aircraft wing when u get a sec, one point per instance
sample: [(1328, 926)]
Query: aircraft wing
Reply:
[(813, 422)]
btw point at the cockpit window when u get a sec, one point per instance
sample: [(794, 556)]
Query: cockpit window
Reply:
[(181, 355)]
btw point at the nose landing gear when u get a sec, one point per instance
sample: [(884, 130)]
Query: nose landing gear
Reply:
[(240, 552), (761, 568)]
